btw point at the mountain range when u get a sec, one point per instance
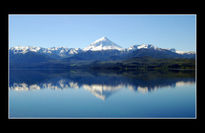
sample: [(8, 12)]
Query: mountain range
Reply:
[(102, 49), (101, 44)]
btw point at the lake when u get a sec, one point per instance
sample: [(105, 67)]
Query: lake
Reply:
[(94, 94)]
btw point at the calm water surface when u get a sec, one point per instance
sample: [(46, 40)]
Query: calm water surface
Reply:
[(82, 94)]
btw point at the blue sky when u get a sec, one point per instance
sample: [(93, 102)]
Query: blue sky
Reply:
[(78, 31)]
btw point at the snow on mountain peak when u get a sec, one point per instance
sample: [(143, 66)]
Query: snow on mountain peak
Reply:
[(60, 51), (142, 46), (185, 52), (172, 49), (101, 39), (25, 49), (102, 44), (180, 52)]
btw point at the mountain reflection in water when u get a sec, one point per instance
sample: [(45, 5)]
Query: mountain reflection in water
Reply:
[(100, 84)]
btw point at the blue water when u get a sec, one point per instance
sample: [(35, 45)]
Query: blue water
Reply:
[(61, 94)]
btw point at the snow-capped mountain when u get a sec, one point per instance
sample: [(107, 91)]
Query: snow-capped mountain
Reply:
[(104, 48), (102, 44), (58, 51), (180, 52), (142, 46), (185, 52), (24, 49), (150, 46)]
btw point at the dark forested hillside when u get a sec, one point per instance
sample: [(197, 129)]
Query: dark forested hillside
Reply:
[(146, 63)]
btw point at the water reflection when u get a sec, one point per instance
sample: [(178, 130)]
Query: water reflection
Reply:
[(100, 84)]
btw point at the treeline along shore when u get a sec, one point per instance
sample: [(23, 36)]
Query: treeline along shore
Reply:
[(143, 64), (131, 64)]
